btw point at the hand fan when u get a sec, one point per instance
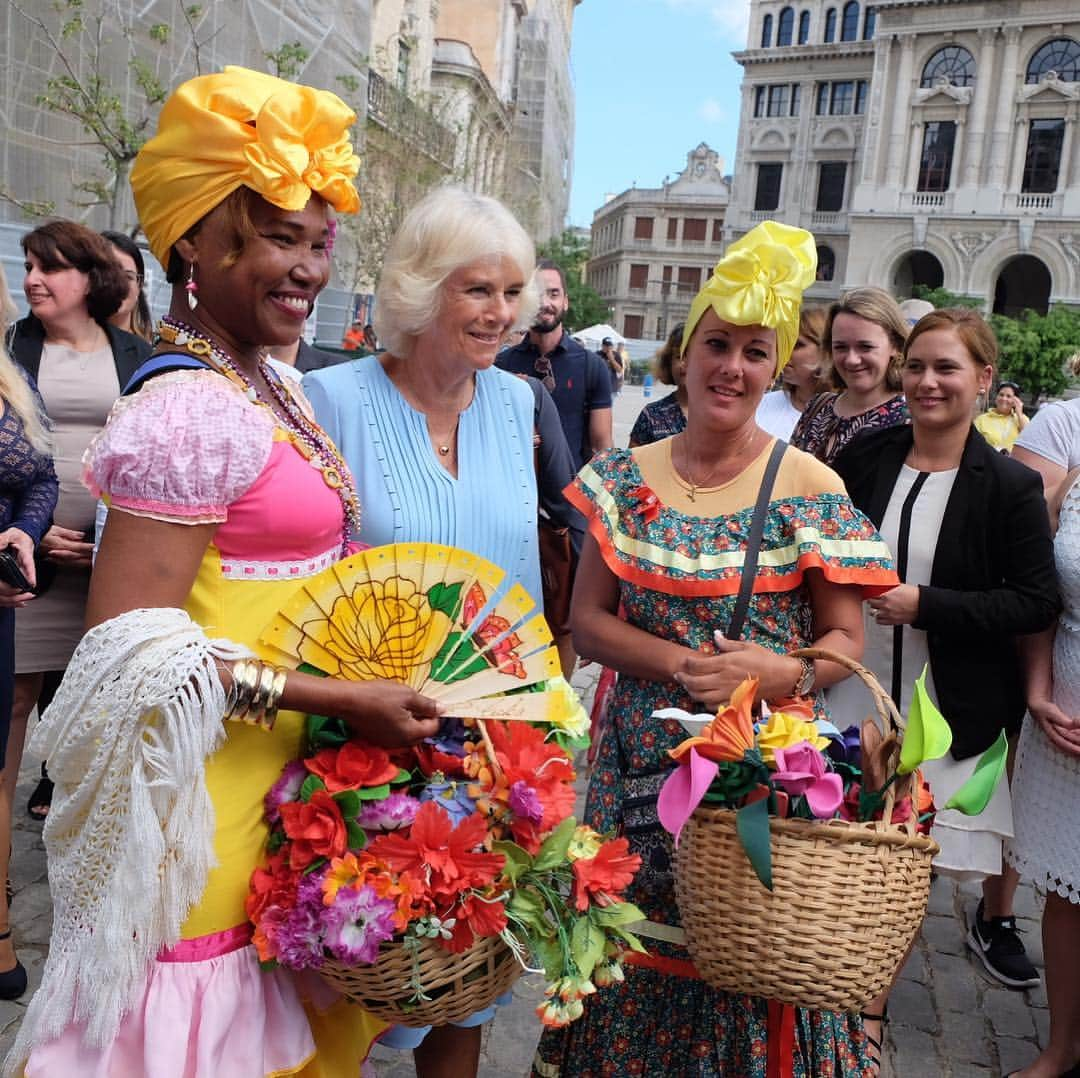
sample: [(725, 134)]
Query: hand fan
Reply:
[(424, 614)]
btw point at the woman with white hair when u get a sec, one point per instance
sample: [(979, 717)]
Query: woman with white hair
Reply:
[(439, 439)]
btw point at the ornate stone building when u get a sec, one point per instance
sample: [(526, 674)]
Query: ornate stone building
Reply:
[(922, 142), (652, 248)]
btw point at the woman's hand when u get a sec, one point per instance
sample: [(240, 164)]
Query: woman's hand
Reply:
[(897, 607), (711, 679), (1062, 732), (67, 547), (23, 547), (387, 713)]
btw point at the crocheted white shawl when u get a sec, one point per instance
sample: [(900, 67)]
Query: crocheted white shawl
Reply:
[(129, 835)]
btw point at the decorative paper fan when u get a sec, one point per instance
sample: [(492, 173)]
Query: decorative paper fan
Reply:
[(423, 614)]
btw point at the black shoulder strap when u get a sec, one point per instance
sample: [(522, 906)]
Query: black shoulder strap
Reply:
[(161, 364), (753, 545)]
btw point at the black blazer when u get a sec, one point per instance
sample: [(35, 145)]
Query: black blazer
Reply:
[(26, 338), (309, 358), (992, 579)]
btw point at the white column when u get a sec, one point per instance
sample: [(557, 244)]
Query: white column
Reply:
[(898, 129), (1006, 108), (984, 79), (1066, 153), (1019, 154), (915, 141)]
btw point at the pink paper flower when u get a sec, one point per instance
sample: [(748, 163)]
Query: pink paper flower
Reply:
[(800, 769)]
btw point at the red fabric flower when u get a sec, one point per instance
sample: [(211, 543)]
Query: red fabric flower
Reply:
[(352, 766), (272, 885), (599, 878), (648, 504), (444, 856), (317, 829)]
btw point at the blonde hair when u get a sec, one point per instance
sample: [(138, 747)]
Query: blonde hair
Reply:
[(14, 388), (447, 229), (877, 306)]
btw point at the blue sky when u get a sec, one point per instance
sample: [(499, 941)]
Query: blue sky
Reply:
[(652, 79)]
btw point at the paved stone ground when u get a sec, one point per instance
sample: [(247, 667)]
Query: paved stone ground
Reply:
[(948, 1019)]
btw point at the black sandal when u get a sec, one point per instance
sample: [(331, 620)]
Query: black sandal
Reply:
[(12, 981), (873, 1043), (41, 799)]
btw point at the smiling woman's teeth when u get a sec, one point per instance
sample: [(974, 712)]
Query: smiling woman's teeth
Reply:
[(296, 302)]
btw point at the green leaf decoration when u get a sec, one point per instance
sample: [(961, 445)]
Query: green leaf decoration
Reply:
[(457, 659), (445, 598), (927, 736), (752, 827), (553, 851), (276, 840), (325, 733), (517, 862), (527, 907), (349, 803), (975, 794), (314, 866), (310, 785), (355, 835), (550, 953), (401, 776), (314, 671), (373, 793), (269, 965), (618, 913), (586, 945)]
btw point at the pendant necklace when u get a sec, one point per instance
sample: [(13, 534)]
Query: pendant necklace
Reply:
[(696, 485)]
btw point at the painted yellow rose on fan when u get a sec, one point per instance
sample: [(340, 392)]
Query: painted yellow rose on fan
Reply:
[(385, 629)]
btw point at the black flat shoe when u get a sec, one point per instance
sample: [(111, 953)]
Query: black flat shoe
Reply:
[(41, 799), (12, 981)]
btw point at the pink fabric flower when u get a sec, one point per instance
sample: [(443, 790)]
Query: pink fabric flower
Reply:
[(800, 769)]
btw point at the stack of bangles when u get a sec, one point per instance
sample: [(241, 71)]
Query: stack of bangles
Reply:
[(255, 691)]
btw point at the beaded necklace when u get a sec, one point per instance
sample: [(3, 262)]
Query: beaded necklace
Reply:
[(309, 439)]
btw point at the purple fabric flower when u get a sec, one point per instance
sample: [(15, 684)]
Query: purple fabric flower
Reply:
[(357, 923), (298, 933), (525, 802), (452, 796), (287, 788), (451, 737), (847, 748), (397, 810)]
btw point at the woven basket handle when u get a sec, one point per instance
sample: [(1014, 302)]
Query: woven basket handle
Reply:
[(883, 704)]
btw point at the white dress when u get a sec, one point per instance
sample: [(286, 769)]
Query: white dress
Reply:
[(1046, 782), (970, 845)]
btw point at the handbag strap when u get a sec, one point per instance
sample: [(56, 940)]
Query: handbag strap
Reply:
[(902, 541), (753, 545)]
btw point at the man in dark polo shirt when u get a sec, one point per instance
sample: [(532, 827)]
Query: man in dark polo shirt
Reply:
[(577, 379)]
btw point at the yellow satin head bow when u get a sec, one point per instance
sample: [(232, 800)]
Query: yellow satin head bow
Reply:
[(760, 282), (242, 128)]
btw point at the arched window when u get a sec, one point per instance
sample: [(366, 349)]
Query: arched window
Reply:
[(1062, 56), (766, 32), (785, 27), (804, 27), (869, 23), (849, 25), (826, 263), (830, 25), (954, 63)]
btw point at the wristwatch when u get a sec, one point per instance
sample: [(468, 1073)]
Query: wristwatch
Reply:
[(805, 681)]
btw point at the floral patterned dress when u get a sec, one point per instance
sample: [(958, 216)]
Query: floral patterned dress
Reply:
[(824, 433), (678, 561), (658, 420)]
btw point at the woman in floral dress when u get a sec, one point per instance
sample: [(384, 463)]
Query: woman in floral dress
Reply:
[(668, 527)]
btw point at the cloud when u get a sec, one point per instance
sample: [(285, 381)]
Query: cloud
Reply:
[(731, 18), (712, 112)]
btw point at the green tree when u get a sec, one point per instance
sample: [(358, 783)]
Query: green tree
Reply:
[(570, 253), (1035, 348), (942, 297)]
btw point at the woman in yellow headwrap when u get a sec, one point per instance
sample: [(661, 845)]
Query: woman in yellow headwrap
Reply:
[(223, 493), (669, 527)]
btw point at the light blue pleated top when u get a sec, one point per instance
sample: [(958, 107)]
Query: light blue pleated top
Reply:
[(406, 495)]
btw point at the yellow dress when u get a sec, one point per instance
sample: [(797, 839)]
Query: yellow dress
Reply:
[(1001, 431), (189, 448)]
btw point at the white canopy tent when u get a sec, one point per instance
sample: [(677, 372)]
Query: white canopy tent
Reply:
[(593, 336)]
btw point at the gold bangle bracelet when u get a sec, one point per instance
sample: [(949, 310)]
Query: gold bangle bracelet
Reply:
[(276, 689)]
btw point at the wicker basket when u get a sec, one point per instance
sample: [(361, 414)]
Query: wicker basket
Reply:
[(846, 903), (457, 984)]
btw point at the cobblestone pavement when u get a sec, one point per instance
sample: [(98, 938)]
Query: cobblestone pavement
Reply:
[(948, 1019)]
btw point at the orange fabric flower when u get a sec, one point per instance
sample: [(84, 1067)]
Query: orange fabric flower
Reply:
[(599, 878), (317, 829), (728, 737), (352, 766)]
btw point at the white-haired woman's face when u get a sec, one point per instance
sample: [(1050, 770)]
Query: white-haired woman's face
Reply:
[(478, 305)]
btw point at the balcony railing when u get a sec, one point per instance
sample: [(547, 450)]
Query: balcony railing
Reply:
[(926, 200), (402, 117), (822, 219), (1031, 203)]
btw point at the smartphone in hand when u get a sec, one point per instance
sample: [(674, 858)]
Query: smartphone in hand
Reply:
[(11, 572)]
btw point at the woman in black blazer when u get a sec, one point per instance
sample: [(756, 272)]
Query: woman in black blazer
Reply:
[(971, 540)]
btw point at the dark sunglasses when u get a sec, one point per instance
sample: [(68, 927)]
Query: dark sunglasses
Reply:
[(542, 366)]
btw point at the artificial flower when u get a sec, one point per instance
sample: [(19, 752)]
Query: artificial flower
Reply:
[(731, 734), (450, 795), (525, 803), (316, 828), (847, 748), (357, 922), (598, 878), (784, 729), (272, 884), (800, 769), (352, 767), (647, 504), (298, 937), (287, 788), (584, 843), (390, 814)]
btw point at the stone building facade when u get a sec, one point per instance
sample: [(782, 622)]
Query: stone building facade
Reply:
[(653, 248), (922, 142)]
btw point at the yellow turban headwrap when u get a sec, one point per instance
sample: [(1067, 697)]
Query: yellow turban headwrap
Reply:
[(242, 128), (760, 282)]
